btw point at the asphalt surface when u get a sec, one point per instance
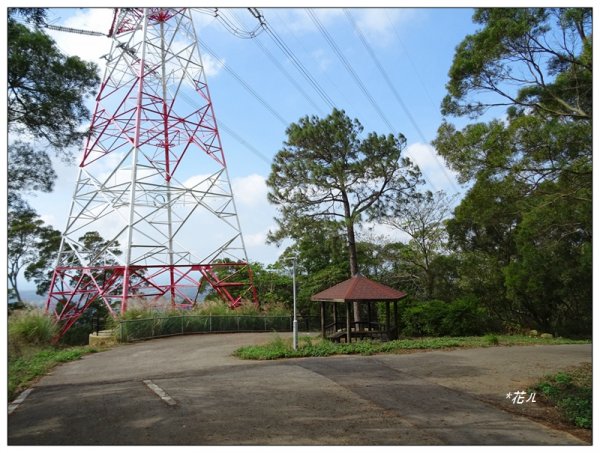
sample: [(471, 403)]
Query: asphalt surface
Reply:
[(191, 391)]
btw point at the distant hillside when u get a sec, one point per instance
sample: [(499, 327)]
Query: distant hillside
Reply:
[(30, 297)]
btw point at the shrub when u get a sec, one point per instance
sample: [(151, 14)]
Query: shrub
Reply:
[(492, 340), (465, 317), (30, 327), (436, 318), (425, 319)]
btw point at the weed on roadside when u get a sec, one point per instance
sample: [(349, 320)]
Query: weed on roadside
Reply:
[(571, 392)]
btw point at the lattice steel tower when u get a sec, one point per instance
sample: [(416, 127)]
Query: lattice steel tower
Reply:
[(153, 181)]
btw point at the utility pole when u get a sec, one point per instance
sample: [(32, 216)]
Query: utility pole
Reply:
[(295, 322)]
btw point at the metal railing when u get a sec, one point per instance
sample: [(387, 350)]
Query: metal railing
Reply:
[(164, 326)]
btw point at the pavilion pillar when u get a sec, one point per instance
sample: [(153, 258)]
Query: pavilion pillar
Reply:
[(323, 319), (334, 316), (387, 316), (369, 314), (348, 336), (397, 334)]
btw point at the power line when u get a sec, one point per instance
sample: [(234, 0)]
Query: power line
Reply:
[(234, 25), (391, 86), (334, 85), (297, 63), (245, 85), (345, 62), (237, 31), (286, 74), (410, 60), (222, 126), (241, 140)]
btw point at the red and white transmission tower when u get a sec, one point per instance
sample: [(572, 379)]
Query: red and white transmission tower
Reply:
[(152, 181)]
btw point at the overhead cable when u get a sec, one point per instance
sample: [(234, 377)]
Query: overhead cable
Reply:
[(297, 63), (286, 74), (391, 86), (351, 71), (245, 85)]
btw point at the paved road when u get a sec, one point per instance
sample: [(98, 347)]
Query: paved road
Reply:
[(190, 391)]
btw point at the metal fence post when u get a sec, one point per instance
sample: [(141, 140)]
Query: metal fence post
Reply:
[(210, 322)]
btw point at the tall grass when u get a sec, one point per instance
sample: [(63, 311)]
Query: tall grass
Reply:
[(142, 322), (29, 328), (30, 353)]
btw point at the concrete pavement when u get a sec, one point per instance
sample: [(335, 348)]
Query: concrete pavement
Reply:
[(429, 398)]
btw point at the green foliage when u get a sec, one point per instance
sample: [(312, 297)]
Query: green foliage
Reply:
[(327, 171), (438, 318), (492, 340), (523, 232), (26, 236), (422, 217), (551, 280), (30, 332), (24, 369), (321, 261), (40, 269), (571, 392), (29, 170), (498, 57), (46, 89), (280, 348), (273, 284), (30, 327), (424, 319)]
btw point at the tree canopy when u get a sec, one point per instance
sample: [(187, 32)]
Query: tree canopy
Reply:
[(524, 228), (46, 89), (46, 96), (545, 52), (326, 171)]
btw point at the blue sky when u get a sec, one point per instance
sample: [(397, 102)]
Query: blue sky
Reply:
[(414, 46)]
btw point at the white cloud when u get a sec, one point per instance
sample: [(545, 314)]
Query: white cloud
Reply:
[(322, 58), (92, 48), (381, 26), (299, 21), (212, 66), (256, 239), (433, 167), (250, 190), (88, 48)]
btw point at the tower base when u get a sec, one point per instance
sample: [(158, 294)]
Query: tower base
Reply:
[(74, 289)]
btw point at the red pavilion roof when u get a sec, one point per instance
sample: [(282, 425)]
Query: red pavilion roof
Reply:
[(358, 288)]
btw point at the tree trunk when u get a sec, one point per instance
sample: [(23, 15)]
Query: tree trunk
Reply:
[(354, 270), (13, 283), (430, 283)]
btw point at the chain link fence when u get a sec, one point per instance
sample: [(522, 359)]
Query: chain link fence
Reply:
[(143, 329)]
